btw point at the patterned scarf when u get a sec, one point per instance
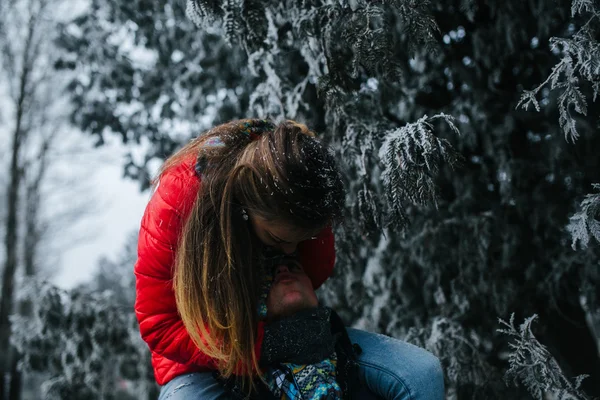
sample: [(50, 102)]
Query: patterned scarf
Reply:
[(293, 381)]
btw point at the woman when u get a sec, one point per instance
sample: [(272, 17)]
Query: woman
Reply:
[(221, 205)]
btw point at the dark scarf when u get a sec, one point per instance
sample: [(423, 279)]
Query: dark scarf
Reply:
[(281, 343), (312, 373)]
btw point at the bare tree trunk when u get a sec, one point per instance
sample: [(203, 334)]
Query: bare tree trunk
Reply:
[(16, 378), (10, 241), (33, 230)]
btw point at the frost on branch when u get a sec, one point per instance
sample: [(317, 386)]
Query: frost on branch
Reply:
[(580, 64), (332, 43), (584, 222), (458, 350), (85, 342), (411, 158), (532, 365)]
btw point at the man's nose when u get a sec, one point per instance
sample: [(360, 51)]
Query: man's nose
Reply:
[(281, 268)]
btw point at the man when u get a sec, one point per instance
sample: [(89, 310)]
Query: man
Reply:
[(320, 362), (291, 290)]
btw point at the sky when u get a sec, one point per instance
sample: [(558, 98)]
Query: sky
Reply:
[(77, 176), (121, 212), (86, 184)]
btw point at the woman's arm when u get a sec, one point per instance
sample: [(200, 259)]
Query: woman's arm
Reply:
[(155, 306), (317, 257)]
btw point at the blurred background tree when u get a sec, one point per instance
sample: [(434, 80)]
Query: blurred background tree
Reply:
[(37, 143)]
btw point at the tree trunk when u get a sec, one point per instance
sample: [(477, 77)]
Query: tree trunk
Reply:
[(10, 241), (16, 377), (30, 246)]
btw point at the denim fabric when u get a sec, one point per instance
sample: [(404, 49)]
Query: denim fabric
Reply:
[(396, 370), (388, 368), (195, 386)]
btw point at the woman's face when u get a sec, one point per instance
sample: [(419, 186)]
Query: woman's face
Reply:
[(277, 235)]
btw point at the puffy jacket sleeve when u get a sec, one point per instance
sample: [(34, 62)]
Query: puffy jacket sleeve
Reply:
[(318, 257), (156, 310)]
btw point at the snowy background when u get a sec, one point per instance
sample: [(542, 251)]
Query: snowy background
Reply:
[(122, 206)]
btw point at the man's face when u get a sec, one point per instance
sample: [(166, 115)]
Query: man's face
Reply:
[(291, 290)]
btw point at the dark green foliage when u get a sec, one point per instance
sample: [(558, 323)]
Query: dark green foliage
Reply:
[(532, 365), (460, 355), (412, 156), (580, 64), (201, 11), (253, 15), (142, 72), (86, 343), (585, 222)]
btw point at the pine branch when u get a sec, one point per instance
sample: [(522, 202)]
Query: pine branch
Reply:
[(203, 12), (81, 340), (581, 6), (411, 158), (532, 365), (339, 42), (580, 62), (585, 221), (462, 361)]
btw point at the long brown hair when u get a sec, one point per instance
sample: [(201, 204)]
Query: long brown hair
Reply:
[(284, 175)]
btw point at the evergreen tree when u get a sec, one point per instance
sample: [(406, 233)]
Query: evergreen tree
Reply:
[(145, 73), (35, 137), (532, 364), (86, 343), (459, 197)]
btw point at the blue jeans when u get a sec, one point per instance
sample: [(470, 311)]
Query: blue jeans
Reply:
[(396, 370), (389, 369)]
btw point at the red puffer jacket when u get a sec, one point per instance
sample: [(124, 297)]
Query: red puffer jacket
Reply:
[(173, 351)]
